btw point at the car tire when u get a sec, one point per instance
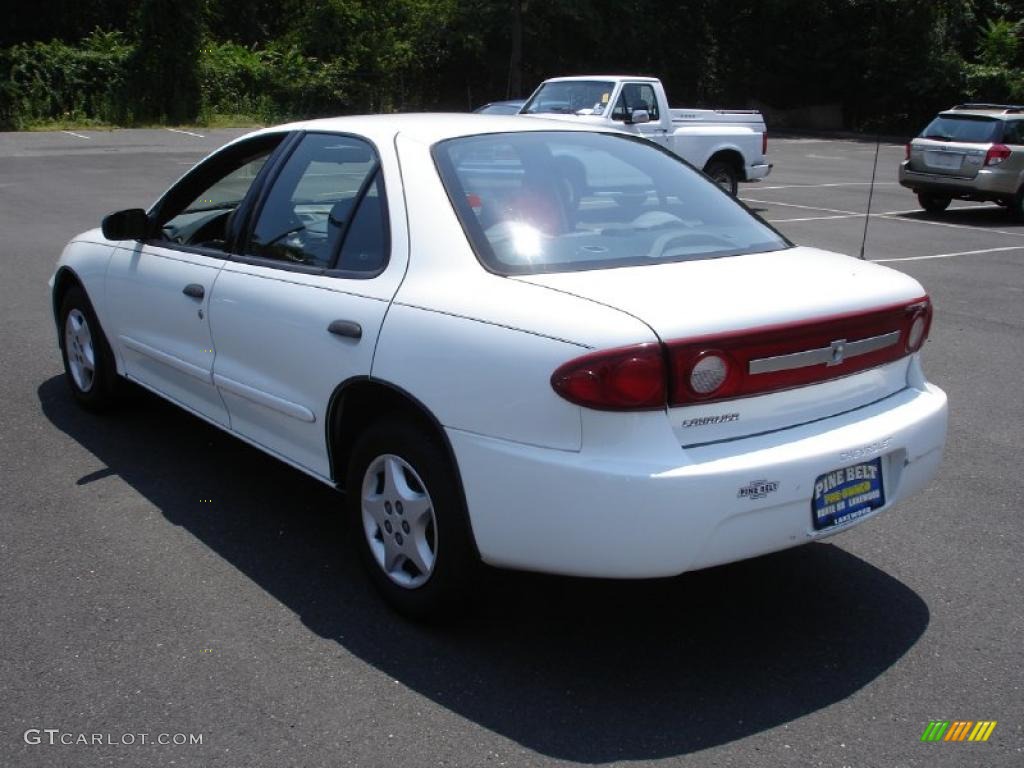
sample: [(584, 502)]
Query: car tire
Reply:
[(1016, 206), (724, 175), (409, 522), (88, 360), (933, 203)]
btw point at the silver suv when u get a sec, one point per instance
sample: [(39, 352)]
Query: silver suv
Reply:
[(969, 152)]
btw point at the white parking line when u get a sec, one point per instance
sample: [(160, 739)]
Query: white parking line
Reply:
[(802, 207), (187, 133), (951, 255), (77, 135), (832, 184), (887, 215), (816, 218)]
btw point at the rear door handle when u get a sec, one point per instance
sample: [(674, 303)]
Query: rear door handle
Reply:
[(195, 290), (346, 328)]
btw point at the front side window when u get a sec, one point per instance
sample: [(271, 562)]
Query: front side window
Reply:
[(636, 96), (198, 210), (561, 200), (326, 201)]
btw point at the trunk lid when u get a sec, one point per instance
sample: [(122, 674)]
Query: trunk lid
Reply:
[(732, 295), (947, 158)]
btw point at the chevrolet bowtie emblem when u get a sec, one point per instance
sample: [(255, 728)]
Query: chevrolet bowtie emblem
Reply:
[(838, 348)]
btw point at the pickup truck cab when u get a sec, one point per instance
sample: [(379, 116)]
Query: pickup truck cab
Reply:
[(730, 145)]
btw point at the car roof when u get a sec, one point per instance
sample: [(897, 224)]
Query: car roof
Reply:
[(1010, 111), (631, 78), (429, 127)]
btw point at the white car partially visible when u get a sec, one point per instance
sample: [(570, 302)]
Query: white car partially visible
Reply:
[(519, 342)]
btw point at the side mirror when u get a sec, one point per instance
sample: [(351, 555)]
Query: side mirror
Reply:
[(638, 116), (131, 224)]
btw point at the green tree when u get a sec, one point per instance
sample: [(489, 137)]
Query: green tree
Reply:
[(164, 80)]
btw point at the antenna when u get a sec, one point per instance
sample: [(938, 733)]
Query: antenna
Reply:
[(871, 194)]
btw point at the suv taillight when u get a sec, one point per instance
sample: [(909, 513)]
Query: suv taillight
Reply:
[(764, 142), (906, 150), (996, 154), (743, 363)]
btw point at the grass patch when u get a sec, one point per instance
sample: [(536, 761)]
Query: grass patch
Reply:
[(86, 124)]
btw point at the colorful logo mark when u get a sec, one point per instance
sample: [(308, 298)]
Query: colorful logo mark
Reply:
[(958, 730)]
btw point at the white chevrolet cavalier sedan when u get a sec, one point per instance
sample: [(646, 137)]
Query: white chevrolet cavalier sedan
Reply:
[(512, 341)]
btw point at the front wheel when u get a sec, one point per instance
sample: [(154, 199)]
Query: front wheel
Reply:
[(933, 203), (88, 362), (409, 521), (724, 175)]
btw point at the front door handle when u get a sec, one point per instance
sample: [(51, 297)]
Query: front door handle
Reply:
[(346, 328), (195, 290)]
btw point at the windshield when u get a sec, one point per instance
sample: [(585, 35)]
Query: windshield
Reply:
[(556, 201), (566, 97), (965, 128)]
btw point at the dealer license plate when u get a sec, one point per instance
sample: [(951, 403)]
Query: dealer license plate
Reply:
[(843, 495)]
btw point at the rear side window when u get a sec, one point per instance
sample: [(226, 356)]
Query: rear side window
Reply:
[(325, 208), (556, 201), (1012, 133), (965, 128)]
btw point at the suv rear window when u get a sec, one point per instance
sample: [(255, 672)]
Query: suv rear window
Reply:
[(561, 201), (966, 128)]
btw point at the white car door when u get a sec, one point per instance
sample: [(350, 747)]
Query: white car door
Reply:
[(632, 97), (299, 311), (158, 291)]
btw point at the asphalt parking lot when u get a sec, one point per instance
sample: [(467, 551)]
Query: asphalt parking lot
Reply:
[(159, 577)]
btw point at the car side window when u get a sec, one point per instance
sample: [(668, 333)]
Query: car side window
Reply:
[(198, 210), (636, 96), (1012, 132), (327, 199)]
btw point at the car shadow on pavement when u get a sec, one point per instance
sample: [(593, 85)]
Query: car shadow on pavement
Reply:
[(582, 670)]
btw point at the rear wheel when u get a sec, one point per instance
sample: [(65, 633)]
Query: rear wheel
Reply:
[(1016, 206), (933, 203), (724, 174), (88, 362), (408, 520)]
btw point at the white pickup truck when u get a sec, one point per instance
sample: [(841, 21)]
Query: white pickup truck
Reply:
[(728, 144)]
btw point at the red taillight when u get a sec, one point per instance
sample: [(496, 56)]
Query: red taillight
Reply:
[(906, 151), (764, 142), (920, 324), (996, 154), (623, 379)]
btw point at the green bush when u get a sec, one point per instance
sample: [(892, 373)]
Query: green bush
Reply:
[(272, 84), (55, 81)]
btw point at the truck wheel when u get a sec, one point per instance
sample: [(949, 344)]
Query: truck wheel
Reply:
[(933, 203), (724, 175), (409, 522), (88, 361)]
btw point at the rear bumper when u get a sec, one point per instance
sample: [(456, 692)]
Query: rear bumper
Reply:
[(639, 515), (758, 171), (989, 184)]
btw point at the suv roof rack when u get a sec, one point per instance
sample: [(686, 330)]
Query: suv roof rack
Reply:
[(1007, 108)]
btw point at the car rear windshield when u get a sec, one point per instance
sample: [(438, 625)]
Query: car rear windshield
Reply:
[(965, 128), (561, 201)]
